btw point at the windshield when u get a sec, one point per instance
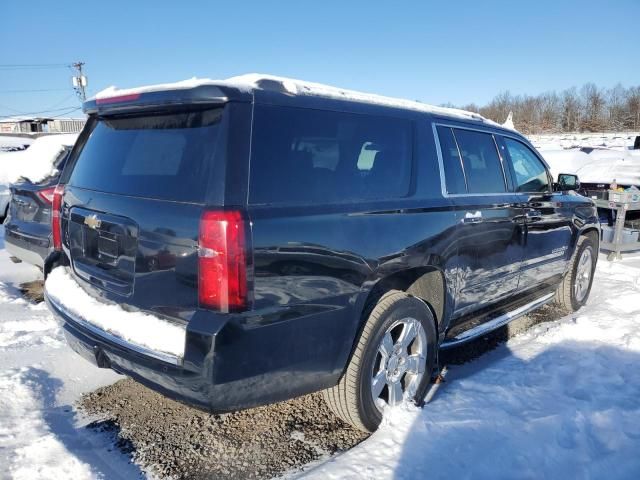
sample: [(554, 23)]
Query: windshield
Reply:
[(164, 156)]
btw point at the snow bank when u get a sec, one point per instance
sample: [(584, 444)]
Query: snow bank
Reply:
[(614, 140), (36, 162), (135, 327), (252, 81), (598, 166)]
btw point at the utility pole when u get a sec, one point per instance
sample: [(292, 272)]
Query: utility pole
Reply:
[(79, 81)]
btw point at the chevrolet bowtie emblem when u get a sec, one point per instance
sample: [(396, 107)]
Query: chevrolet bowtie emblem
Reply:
[(92, 221)]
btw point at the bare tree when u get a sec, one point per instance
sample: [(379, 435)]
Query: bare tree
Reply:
[(571, 110), (590, 109), (550, 112), (616, 106), (594, 103), (632, 108)]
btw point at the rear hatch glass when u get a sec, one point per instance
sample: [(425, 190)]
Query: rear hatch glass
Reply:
[(163, 156)]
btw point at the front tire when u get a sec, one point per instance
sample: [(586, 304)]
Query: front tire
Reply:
[(392, 362), (575, 288)]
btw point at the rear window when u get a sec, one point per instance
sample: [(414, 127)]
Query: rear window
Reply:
[(158, 156), (314, 156)]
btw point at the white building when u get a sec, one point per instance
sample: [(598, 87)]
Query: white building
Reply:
[(41, 124)]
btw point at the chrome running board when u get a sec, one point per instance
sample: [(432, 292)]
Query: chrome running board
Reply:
[(497, 322)]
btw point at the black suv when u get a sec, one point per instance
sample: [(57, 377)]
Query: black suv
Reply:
[(232, 244)]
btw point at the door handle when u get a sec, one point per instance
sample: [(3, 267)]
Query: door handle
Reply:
[(472, 217)]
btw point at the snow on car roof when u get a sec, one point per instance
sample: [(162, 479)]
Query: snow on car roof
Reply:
[(36, 162), (257, 81)]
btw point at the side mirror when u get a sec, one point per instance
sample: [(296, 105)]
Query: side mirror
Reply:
[(567, 181)]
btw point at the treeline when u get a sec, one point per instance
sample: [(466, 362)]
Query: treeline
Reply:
[(588, 109)]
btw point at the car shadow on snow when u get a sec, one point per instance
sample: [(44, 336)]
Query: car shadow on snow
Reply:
[(89, 446), (568, 410)]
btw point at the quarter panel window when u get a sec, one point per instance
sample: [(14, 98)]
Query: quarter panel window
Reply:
[(482, 165), (531, 174), (314, 156)]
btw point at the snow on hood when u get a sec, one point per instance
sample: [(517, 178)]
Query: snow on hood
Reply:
[(133, 327), (8, 143), (599, 166), (253, 81), (36, 162)]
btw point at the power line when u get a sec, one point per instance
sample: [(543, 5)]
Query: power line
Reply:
[(32, 66), (41, 111), (48, 109), (35, 90), (66, 113)]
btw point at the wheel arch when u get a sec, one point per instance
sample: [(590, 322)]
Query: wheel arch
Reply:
[(426, 283), (592, 232)]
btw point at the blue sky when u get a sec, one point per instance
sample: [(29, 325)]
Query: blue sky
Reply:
[(436, 52)]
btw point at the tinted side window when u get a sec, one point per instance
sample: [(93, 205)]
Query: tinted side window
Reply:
[(314, 156), (453, 174), (482, 165), (531, 175)]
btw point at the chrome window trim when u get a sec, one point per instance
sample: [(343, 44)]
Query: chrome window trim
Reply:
[(504, 170), (464, 170), (443, 184)]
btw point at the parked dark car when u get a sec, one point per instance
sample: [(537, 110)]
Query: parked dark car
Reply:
[(303, 240), (28, 223)]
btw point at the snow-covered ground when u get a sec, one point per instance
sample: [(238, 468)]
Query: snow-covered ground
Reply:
[(561, 401), (560, 141), (41, 435)]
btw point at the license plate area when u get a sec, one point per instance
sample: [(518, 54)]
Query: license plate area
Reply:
[(103, 249), (107, 247)]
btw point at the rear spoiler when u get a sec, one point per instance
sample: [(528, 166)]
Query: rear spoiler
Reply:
[(139, 101)]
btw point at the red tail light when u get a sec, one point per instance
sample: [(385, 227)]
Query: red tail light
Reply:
[(56, 213), (47, 195), (222, 277)]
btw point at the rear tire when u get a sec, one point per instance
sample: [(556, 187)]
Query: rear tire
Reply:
[(575, 288), (394, 358)]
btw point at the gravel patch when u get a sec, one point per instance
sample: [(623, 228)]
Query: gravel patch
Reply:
[(171, 439), (33, 291)]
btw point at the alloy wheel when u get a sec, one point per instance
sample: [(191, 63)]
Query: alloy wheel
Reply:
[(584, 271), (400, 363)]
